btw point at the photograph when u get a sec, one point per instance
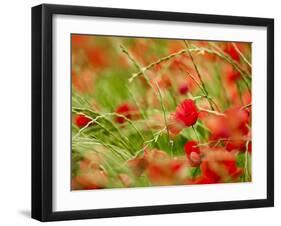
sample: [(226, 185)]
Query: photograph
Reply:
[(142, 112), (152, 111)]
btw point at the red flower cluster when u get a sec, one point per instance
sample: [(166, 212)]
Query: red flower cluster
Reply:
[(233, 128), (123, 150), (218, 165), (160, 168)]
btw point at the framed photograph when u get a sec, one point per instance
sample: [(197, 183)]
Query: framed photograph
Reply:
[(146, 112)]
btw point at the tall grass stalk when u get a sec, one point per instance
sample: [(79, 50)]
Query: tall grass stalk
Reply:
[(197, 71), (159, 96)]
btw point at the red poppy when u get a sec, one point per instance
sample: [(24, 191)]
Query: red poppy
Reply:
[(162, 169), (191, 146), (97, 57), (230, 50), (186, 113), (233, 128), (231, 167), (126, 110), (218, 127), (208, 172), (238, 119), (233, 75), (220, 166), (192, 152), (157, 174), (238, 144), (79, 41), (176, 166), (81, 120)]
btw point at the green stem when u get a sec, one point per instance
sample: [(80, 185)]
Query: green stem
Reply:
[(164, 115), (196, 134), (143, 113), (244, 74), (151, 65), (220, 53), (209, 99)]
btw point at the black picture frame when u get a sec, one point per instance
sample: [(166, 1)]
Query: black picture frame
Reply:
[(42, 107)]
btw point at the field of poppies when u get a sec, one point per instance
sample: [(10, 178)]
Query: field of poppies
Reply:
[(151, 112)]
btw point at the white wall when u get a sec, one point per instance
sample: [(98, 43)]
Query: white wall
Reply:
[(15, 92)]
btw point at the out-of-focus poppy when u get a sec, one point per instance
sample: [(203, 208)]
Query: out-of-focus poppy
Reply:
[(97, 57), (230, 50), (127, 110), (219, 165), (192, 152), (164, 170), (79, 41), (233, 129), (81, 120)]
